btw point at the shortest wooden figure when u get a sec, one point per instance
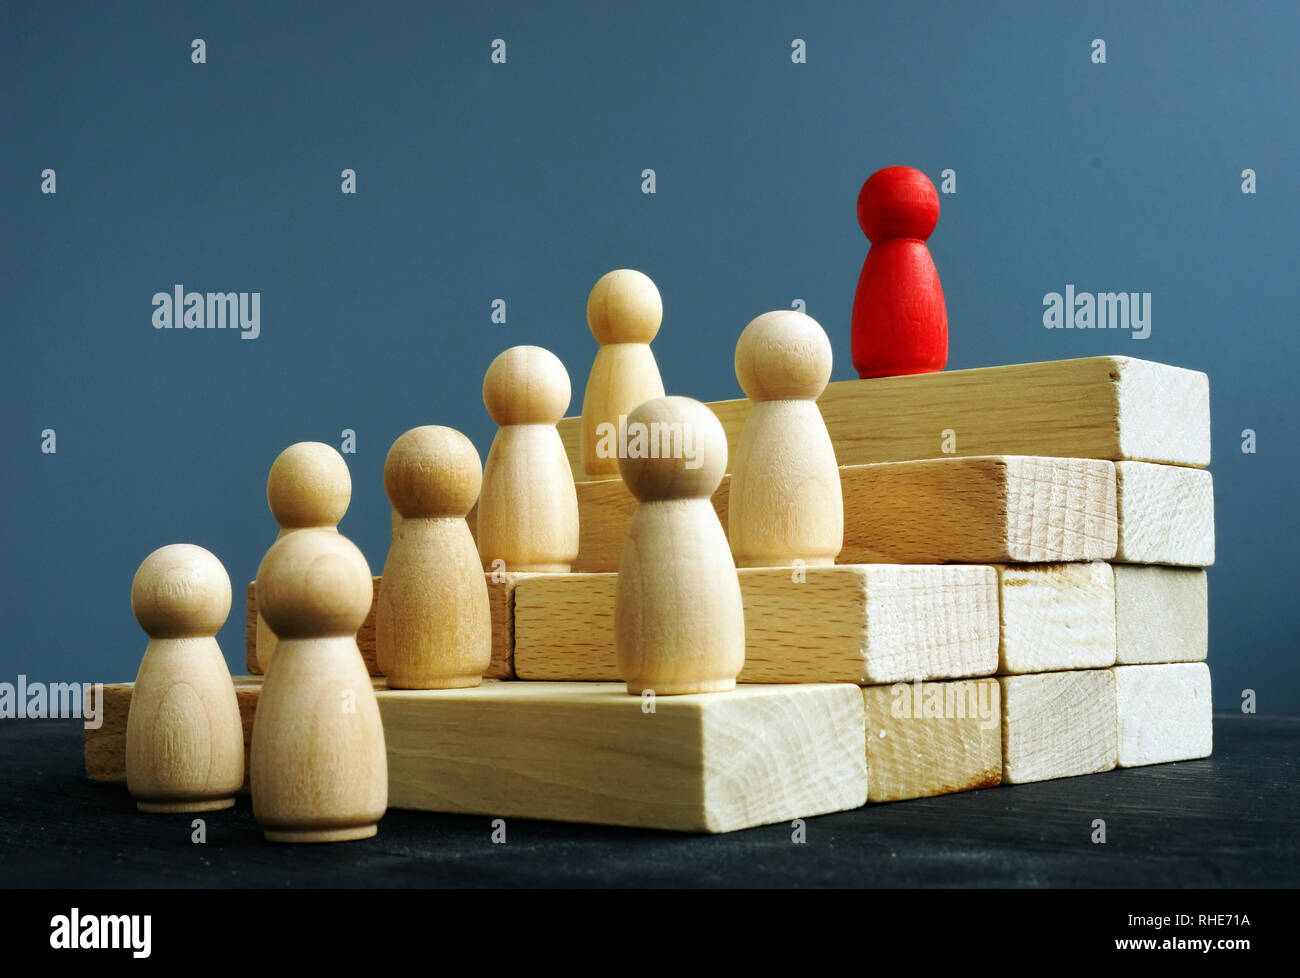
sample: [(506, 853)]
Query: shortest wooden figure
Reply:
[(679, 626), (319, 769), (184, 739)]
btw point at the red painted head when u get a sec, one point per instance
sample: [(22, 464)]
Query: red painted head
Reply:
[(898, 202)]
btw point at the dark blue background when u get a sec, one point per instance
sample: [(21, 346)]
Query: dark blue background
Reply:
[(522, 181)]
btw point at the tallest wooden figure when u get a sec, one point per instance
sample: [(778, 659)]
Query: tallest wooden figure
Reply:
[(900, 324)]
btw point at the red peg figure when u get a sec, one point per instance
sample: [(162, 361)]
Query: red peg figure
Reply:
[(900, 324)]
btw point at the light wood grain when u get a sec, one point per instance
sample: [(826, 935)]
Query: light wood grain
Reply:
[(1097, 407), (1010, 509), (1164, 713), (679, 626), (932, 738), (785, 503), (1161, 614), (319, 771), (184, 743), (876, 623), (1056, 616), (1058, 725), (1166, 515), (500, 587), (433, 625), (950, 510), (105, 747), (624, 311), (309, 486), (586, 752), (526, 516)]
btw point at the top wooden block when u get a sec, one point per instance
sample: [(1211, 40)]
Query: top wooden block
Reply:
[(1113, 408)]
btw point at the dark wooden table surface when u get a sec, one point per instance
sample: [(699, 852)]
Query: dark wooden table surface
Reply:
[(1229, 821)]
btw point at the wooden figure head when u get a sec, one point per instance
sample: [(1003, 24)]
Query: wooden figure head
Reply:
[(526, 385), (309, 485), (181, 591), (624, 307), (898, 202), (676, 450), (312, 584), (783, 355), (432, 471)]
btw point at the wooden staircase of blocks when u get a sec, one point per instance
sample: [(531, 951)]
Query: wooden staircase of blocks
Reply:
[(1031, 606)]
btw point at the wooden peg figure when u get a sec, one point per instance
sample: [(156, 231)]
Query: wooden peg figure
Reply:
[(319, 770), (900, 323), (433, 629), (309, 486), (528, 509), (184, 738), (624, 312), (678, 622), (785, 502)]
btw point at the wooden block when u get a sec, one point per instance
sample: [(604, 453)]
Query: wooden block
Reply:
[(500, 597), (1013, 509), (584, 752), (1098, 407), (106, 746), (1166, 515), (1164, 713), (587, 752), (932, 738), (1056, 616), (1161, 614), (1058, 725), (877, 623), (949, 510)]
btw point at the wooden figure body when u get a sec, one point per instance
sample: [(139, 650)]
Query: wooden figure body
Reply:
[(184, 738), (433, 629), (319, 769), (624, 312), (785, 500), (309, 486), (900, 323), (528, 507), (678, 621)]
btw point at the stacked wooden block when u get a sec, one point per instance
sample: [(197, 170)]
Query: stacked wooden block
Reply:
[(1020, 596)]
